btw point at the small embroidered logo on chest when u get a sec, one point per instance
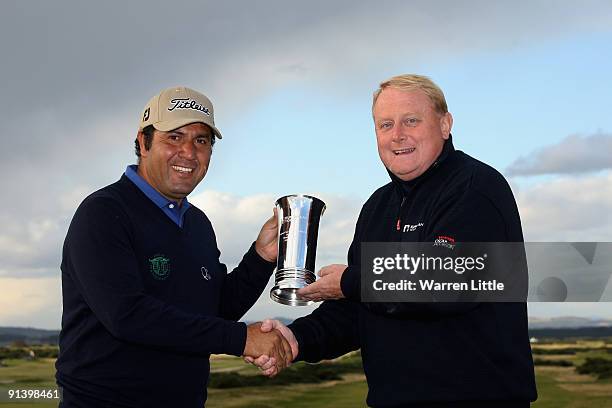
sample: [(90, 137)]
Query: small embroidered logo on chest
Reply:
[(412, 227), (159, 266), (205, 273), (445, 241)]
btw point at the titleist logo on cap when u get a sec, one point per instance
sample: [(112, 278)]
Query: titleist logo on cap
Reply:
[(188, 103)]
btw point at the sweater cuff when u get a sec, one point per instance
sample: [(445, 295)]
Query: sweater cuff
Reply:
[(350, 283), (254, 260), (235, 338), (295, 329)]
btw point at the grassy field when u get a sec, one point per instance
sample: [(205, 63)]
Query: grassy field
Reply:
[(558, 387)]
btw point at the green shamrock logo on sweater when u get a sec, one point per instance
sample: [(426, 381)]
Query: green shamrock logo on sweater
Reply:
[(159, 266)]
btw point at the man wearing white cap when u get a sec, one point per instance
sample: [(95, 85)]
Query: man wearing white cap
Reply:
[(146, 299)]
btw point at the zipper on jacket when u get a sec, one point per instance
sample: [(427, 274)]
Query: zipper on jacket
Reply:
[(399, 215)]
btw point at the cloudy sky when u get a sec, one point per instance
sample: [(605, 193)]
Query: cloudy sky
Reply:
[(528, 84)]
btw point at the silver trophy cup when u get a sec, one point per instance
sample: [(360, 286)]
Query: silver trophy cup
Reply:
[(298, 227)]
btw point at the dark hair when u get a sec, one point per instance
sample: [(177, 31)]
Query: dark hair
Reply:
[(148, 140)]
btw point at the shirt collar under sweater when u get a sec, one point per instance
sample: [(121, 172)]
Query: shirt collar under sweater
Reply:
[(169, 207)]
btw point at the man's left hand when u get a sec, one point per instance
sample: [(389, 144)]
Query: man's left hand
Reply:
[(267, 240), (327, 286)]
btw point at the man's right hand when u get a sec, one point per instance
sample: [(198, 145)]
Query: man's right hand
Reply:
[(269, 343), (265, 363)]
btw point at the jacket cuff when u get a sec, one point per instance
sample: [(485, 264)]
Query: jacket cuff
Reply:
[(254, 260), (350, 284), (235, 338), (295, 328)]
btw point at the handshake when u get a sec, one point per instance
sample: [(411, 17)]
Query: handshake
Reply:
[(271, 346)]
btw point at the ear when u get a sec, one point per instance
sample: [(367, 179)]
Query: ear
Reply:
[(446, 123), (140, 137)]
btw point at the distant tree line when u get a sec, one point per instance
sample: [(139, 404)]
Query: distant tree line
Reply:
[(566, 333), (39, 351)]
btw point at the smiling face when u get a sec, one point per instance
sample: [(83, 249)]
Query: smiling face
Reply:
[(409, 132), (177, 160)]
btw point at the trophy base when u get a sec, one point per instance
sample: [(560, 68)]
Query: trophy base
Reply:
[(288, 282), (288, 296)]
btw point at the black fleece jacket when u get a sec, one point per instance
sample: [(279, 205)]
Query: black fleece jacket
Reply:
[(431, 354)]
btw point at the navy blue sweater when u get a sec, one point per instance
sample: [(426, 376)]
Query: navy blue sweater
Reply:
[(146, 302), (431, 354)]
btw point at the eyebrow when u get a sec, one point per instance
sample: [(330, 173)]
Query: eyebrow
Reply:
[(412, 114)]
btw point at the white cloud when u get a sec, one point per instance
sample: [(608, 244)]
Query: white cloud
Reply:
[(237, 221), (567, 209), (34, 302), (563, 209), (32, 245), (580, 309), (573, 155), (69, 125)]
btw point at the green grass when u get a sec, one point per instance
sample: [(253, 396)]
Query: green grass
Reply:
[(228, 363), (22, 371), (21, 374), (550, 395), (31, 403), (300, 373), (563, 387), (352, 394), (558, 387), (552, 391), (345, 395)]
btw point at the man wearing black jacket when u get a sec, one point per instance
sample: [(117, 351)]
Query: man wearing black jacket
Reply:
[(423, 354), (146, 299)]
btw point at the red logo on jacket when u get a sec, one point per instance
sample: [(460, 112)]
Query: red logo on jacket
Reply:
[(445, 241)]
